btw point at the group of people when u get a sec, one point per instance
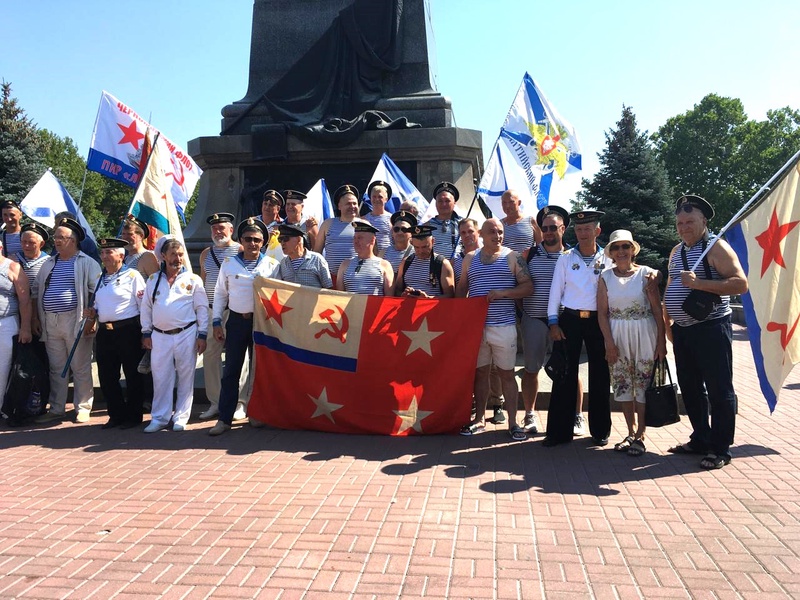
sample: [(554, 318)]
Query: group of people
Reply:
[(552, 297)]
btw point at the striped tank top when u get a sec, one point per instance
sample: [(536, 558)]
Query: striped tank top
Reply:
[(12, 243), (212, 266), (9, 304), (363, 276), (60, 294), (383, 223), (676, 293), (419, 277), (518, 236), (541, 267), (31, 267), (395, 257), (495, 276), (339, 244), (445, 235)]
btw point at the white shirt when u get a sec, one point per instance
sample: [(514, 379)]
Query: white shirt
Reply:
[(175, 306), (121, 297), (235, 284), (574, 283)]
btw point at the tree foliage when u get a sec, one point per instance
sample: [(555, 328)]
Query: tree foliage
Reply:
[(632, 188), (20, 152)]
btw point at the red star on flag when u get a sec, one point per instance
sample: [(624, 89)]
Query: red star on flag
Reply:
[(131, 135), (275, 309), (770, 241)]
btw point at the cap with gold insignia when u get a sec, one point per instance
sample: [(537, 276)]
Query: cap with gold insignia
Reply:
[(284, 229), (273, 197), (345, 189), (382, 184), (697, 202), (74, 226), (579, 217), (552, 209), (404, 215), (362, 226), (420, 232), (220, 218), (8, 204), (446, 186), (36, 228), (130, 219), (252, 224), (294, 195), (106, 243)]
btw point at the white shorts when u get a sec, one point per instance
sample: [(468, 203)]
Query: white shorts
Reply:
[(499, 347)]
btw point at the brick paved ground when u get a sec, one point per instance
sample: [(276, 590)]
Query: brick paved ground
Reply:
[(86, 513)]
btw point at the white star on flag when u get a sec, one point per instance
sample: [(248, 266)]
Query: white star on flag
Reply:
[(411, 418), (421, 338), (323, 406)]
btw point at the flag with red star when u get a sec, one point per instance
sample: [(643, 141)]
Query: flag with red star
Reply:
[(767, 241), (348, 363), (117, 150)]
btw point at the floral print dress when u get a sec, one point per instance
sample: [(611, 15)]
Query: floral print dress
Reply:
[(634, 330)]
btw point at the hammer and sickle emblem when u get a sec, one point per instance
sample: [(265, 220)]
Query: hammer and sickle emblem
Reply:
[(334, 330)]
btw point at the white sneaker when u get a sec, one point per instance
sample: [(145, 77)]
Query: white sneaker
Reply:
[(178, 427), (82, 416), (154, 426), (240, 413), (579, 428), (531, 423), (212, 412)]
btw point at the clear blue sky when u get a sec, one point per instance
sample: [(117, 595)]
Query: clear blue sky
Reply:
[(182, 61)]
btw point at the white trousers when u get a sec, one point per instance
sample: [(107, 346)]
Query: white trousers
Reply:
[(60, 329), (212, 369), (9, 327), (173, 355)]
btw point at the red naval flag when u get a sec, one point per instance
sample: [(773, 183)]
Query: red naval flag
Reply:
[(347, 363)]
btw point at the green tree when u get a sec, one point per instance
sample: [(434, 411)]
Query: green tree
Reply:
[(633, 190), (20, 152)]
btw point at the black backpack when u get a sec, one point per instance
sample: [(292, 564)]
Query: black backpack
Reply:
[(28, 383), (436, 269)]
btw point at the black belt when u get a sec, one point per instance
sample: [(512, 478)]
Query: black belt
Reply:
[(581, 314), (112, 325), (174, 331), (245, 316)]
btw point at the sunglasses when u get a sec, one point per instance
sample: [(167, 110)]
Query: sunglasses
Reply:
[(620, 247), (399, 229), (253, 240), (282, 239), (550, 227)]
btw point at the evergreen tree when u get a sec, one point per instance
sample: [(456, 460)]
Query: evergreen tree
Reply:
[(633, 190), (20, 152)]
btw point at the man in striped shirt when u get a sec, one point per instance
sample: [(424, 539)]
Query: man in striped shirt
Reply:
[(299, 264), (12, 228), (501, 275), (519, 231)]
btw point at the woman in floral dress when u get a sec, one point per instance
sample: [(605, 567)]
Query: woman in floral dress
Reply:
[(629, 314)]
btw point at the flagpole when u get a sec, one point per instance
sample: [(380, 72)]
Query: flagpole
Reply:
[(757, 196), (139, 181), (83, 185)]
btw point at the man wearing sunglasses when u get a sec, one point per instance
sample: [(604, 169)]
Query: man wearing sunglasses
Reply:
[(299, 264), (234, 291), (703, 347), (403, 223)]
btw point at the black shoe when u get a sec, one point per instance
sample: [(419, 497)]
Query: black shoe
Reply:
[(110, 424), (499, 416), (130, 424), (549, 442), (600, 441)]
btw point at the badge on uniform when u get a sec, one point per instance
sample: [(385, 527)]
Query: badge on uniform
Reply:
[(575, 267)]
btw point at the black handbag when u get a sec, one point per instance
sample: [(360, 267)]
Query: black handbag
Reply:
[(661, 398), (556, 367), (699, 304)]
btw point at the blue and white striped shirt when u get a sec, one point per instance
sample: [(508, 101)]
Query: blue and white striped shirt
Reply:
[(212, 267), (541, 266), (494, 276), (383, 223), (518, 236), (60, 295), (364, 276), (339, 244)]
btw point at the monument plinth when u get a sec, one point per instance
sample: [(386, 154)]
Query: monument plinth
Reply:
[(333, 84)]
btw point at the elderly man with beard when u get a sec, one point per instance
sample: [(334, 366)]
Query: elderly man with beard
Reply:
[(335, 238), (234, 292), (501, 275), (425, 274), (174, 323), (299, 264)]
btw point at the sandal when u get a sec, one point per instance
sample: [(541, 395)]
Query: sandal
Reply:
[(472, 429), (637, 448), (624, 445), (686, 448), (713, 461), (517, 434)]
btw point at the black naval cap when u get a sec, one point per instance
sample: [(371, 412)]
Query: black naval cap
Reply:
[(273, 197), (404, 215), (8, 204), (446, 186), (420, 232), (694, 201), (217, 218), (252, 224), (382, 184), (36, 228), (345, 189), (73, 225), (362, 226), (106, 243), (131, 220), (553, 209), (294, 195), (579, 217), (290, 230)]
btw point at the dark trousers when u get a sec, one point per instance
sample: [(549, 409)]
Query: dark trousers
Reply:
[(121, 348), (704, 362), (561, 413), (238, 340)]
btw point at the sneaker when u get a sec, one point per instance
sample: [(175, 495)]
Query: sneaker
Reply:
[(240, 414), (220, 428), (82, 416), (212, 412), (154, 426), (178, 427), (531, 423), (499, 415), (579, 428), (49, 417)]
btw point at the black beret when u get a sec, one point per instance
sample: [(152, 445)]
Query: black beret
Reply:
[(345, 189), (579, 217), (446, 186), (404, 215), (553, 209), (252, 224), (697, 202), (380, 183), (73, 225), (217, 218), (273, 197), (294, 195), (420, 232), (111, 243), (8, 204), (36, 228), (130, 219), (290, 230)]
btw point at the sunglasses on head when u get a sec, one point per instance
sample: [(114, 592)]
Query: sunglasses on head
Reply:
[(550, 227), (252, 240), (621, 247), (397, 229)]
